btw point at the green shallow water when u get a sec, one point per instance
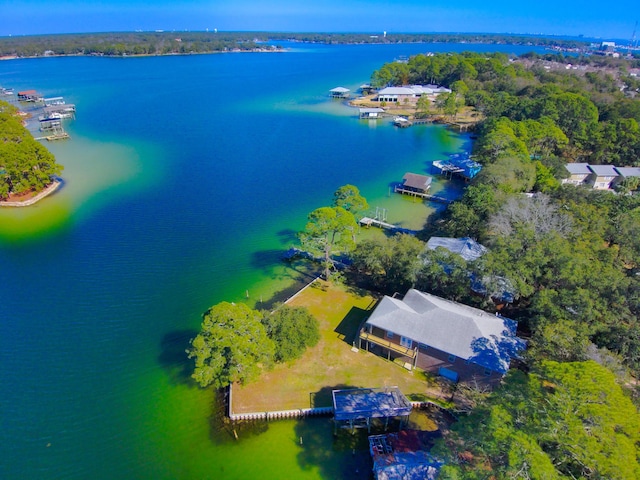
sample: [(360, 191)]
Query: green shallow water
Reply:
[(185, 180)]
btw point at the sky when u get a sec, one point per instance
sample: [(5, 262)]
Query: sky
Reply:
[(565, 17)]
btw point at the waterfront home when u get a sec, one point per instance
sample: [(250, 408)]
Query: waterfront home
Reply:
[(578, 173), (339, 92), (408, 94), (443, 337), (29, 96), (602, 176)]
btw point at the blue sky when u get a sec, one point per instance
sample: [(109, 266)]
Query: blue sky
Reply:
[(567, 17)]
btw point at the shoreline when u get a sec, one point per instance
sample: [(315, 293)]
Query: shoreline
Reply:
[(33, 200), (141, 55)]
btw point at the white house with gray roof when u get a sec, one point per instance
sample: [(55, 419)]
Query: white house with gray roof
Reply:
[(578, 173), (602, 176), (444, 337)]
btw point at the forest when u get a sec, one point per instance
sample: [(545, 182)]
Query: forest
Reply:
[(25, 164)]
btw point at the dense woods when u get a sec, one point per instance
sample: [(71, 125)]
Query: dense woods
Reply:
[(25, 164), (570, 256)]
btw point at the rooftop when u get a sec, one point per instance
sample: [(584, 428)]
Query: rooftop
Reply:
[(466, 332), (628, 171), (604, 170), (466, 247), (362, 403), (414, 180), (578, 168)]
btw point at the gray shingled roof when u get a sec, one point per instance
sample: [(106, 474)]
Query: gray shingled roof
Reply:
[(466, 332)]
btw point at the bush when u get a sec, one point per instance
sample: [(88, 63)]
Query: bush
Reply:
[(292, 330)]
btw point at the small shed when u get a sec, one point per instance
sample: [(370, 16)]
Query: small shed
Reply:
[(356, 407), (416, 183), (339, 92), (371, 113)]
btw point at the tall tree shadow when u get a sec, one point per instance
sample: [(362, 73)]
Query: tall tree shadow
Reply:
[(349, 326), (173, 356)]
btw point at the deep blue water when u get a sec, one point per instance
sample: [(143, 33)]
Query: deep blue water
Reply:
[(186, 178)]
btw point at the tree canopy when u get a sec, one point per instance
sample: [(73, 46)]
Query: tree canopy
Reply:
[(292, 330), (25, 164), (232, 346)]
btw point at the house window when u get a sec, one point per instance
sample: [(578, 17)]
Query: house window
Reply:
[(487, 372), (452, 359), (389, 334), (406, 342)]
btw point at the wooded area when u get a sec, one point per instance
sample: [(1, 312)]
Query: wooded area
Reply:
[(25, 164)]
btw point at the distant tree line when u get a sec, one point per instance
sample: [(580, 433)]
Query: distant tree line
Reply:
[(165, 43), (129, 43), (25, 164)]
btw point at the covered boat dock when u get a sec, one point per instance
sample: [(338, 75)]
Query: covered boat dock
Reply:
[(355, 408)]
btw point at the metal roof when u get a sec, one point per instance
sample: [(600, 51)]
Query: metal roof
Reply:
[(466, 332), (339, 90), (372, 110), (466, 247), (578, 168), (628, 171), (397, 91), (604, 170), (361, 403)]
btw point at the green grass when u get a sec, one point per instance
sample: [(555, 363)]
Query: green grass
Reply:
[(308, 381)]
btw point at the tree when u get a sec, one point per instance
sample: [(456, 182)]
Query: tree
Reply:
[(292, 330), (232, 346), (349, 198), (329, 231), (564, 420), (390, 264)]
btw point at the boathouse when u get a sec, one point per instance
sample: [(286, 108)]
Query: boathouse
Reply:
[(459, 164), (371, 113), (356, 407), (443, 337), (415, 183), (339, 92), (29, 96)]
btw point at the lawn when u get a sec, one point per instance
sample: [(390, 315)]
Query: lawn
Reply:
[(308, 381)]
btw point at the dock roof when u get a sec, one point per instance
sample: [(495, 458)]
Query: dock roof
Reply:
[(360, 403), (414, 180), (339, 90)]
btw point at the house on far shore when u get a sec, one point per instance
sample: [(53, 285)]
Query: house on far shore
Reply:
[(602, 176), (578, 173), (413, 182), (339, 92), (443, 337)]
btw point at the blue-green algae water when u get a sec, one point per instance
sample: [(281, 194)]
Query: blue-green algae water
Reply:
[(185, 179)]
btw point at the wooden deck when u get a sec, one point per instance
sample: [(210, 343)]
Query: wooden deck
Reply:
[(426, 196), (369, 337)]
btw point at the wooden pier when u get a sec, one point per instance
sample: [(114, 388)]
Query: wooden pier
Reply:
[(426, 196), (368, 221)]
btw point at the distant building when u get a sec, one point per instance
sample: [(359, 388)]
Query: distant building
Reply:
[(416, 183), (371, 113), (602, 176), (578, 173), (340, 92), (409, 93)]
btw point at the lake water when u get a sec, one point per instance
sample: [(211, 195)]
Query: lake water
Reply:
[(185, 179)]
